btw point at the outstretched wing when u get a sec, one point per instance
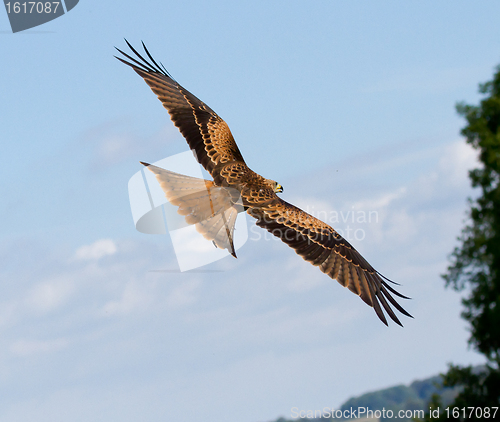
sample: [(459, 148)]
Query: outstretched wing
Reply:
[(205, 132), (322, 246)]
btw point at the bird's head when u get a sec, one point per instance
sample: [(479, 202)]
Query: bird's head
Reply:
[(275, 186)]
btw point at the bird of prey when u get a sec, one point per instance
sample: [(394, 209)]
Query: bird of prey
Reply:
[(213, 205)]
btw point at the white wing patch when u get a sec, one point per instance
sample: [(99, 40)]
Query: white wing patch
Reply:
[(212, 209)]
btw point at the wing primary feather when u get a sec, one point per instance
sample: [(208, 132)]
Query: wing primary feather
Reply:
[(144, 65), (387, 308), (166, 71), (137, 64), (394, 303), (375, 302), (385, 278), (160, 70), (142, 58), (365, 288), (395, 291)]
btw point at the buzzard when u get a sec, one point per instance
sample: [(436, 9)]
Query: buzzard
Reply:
[(213, 205)]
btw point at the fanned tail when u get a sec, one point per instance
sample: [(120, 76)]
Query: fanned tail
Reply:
[(212, 209)]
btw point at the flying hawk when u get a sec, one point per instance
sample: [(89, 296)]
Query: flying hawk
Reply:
[(213, 205)]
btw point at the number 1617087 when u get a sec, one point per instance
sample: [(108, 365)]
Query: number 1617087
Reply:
[(32, 7), (471, 412)]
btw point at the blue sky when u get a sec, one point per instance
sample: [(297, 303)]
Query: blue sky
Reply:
[(349, 105)]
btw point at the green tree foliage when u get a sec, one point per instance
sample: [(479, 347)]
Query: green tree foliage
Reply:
[(475, 264)]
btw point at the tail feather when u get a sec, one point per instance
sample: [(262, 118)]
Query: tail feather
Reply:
[(212, 209), (220, 229)]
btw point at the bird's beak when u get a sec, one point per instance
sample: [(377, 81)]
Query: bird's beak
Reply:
[(279, 188)]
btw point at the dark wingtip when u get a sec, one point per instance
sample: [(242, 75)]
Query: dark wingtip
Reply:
[(140, 64), (389, 280), (144, 164), (395, 291)]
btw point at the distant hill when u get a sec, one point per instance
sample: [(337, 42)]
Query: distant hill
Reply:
[(415, 396)]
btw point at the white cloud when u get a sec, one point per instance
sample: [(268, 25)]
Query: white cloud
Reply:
[(96, 250), (381, 201), (134, 297), (49, 295), (114, 148), (449, 175), (422, 207), (457, 159)]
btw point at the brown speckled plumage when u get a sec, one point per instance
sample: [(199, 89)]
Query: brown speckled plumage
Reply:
[(216, 150)]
